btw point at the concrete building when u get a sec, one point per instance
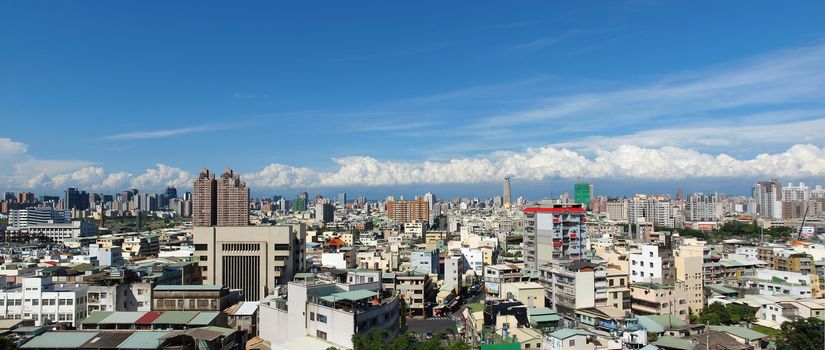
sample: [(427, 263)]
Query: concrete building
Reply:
[(417, 290), (768, 198), (205, 199), (24, 218), (253, 258), (58, 232), (531, 294), (658, 299), (327, 311), (496, 275), (653, 264), (405, 211), (41, 300), (205, 297), (233, 200), (690, 278), (324, 212), (556, 232), (425, 260)]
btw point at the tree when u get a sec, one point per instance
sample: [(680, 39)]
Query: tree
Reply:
[(730, 314), (801, 334), (379, 339)]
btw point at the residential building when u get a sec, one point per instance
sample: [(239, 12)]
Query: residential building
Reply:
[(405, 211), (332, 312), (658, 299), (233, 200), (425, 261), (44, 302), (653, 264), (205, 200), (551, 233), (496, 275), (417, 290)]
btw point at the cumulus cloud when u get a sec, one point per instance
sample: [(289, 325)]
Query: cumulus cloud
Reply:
[(97, 179), (535, 164)]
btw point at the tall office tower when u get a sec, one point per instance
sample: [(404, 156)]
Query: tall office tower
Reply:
[(324, 212), (768, 198), (342, 199), (75, 199), (680, 194), (583, 193), (254, 259), (233, 200), (507, 194), (205, 199), (171, 192), (404, 211), (9, 196), (551, 233)]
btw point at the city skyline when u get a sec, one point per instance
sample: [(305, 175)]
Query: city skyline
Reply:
[(687, 105)]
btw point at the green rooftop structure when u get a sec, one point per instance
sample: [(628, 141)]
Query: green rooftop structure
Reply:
[(583, 194), (673, 343), (59, 340)]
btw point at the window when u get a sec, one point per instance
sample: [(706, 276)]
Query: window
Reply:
[(571, 342), (140, 292), (312, 316), (201, 247), (322, 319), (321, 335)]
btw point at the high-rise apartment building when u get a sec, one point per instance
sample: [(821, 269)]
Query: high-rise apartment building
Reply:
[(204, 199), (252, 258), (405, 211), (551, 233), (220, 202), (233, 200), (507, 195), (768, 198), (324, 212)]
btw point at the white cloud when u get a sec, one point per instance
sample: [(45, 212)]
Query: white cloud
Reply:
[(163, 133), (162, 176), (623, 162)]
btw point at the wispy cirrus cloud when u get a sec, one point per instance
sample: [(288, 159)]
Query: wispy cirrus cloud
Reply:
[(782, 78), (164, 133)]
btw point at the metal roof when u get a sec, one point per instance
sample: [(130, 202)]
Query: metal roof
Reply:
[(351, 295), (96, 317), (106, 340), (57, 340), (143, 340), (175, 317), (148, 317), (122, 317), (203, 319)]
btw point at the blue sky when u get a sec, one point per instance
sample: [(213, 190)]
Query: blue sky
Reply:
[(371, 95)]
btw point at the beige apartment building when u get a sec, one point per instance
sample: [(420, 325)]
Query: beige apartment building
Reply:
[(254, 259), (404, 211), (221, 202)]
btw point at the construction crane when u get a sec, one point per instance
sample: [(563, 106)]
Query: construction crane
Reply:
[(802, 225)]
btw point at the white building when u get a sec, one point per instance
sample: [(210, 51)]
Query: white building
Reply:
[(649, 265), (23, 218), (39, 299), (60, 232), (327, 311), (774, 282)]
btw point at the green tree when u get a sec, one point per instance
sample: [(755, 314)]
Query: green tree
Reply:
[(6, 344), (801, 334)]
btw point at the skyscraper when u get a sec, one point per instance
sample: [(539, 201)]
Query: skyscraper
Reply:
[(221, 202), (205, 199), (342, 199), (583, 193), (75, 199), (233, 200), (507, 194)]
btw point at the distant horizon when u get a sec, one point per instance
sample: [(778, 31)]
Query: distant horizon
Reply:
[(530, 190)]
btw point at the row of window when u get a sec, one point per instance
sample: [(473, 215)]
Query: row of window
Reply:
[(18, 302)]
